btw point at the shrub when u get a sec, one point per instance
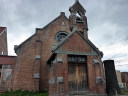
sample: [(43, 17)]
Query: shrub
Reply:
[(125, 92), (24, 93)]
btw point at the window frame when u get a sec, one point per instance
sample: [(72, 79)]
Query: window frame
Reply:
[(59, 33)]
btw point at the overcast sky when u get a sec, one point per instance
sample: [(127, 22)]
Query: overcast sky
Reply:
[(107, 21)]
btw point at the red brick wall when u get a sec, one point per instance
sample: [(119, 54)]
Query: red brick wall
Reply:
[(9, 85), (52, 74), (7, 59), (94, 71), (47, 36), (23, 77), (77, 44), (59, 69), (124, 76), (25, 66)]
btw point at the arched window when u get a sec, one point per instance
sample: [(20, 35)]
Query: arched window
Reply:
[(60, 36), (79, 18)]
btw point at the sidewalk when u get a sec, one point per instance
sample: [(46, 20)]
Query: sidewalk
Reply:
[(123, 95)]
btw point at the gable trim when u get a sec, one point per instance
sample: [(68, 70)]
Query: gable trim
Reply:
[(75, 53), (24, 42), (88, 42), (62, 14)]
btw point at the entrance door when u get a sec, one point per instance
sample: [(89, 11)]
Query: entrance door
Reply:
[(77, 75)]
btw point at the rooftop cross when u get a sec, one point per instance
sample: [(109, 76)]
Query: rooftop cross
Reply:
[(77, 0)]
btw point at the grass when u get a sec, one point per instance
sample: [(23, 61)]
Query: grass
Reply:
[(24, 93), (125, 92)]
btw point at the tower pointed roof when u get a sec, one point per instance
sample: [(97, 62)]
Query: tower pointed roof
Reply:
[(77, 7), (77, 0)]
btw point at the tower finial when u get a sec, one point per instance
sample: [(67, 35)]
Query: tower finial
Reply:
[(77, 1)]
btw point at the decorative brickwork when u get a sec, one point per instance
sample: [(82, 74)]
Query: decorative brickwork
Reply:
[(76, 44), (61, 69), (39, 44), (42, 63)]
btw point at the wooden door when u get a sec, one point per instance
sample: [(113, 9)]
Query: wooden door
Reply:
[(77, 77)]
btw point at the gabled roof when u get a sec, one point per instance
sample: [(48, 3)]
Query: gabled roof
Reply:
[(16, 47), (2, 29), (61, 14), (87, 40)]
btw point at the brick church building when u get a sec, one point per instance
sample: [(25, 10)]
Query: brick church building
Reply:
[(60, 58)]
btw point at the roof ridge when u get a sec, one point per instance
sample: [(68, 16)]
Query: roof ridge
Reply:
[(62, 14), (17, 46), (75, 5)]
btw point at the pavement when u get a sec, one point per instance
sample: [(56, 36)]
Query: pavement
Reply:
[(123, 95)]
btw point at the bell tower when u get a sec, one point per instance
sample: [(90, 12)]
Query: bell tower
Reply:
[(78, 19)]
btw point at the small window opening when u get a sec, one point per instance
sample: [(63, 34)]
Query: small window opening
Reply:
[(79, 18), (2, 53), (0, 69), (62, 22), (0, 66), (77, 15), (61, 37)]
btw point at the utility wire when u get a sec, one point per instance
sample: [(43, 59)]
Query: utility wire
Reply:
[(120, 41)]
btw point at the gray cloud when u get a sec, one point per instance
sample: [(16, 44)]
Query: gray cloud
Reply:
[(107, 19)]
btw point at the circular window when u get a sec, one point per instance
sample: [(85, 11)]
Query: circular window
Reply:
[(60, 36)]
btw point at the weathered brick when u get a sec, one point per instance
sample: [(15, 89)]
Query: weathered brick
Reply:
[(39, 45)]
